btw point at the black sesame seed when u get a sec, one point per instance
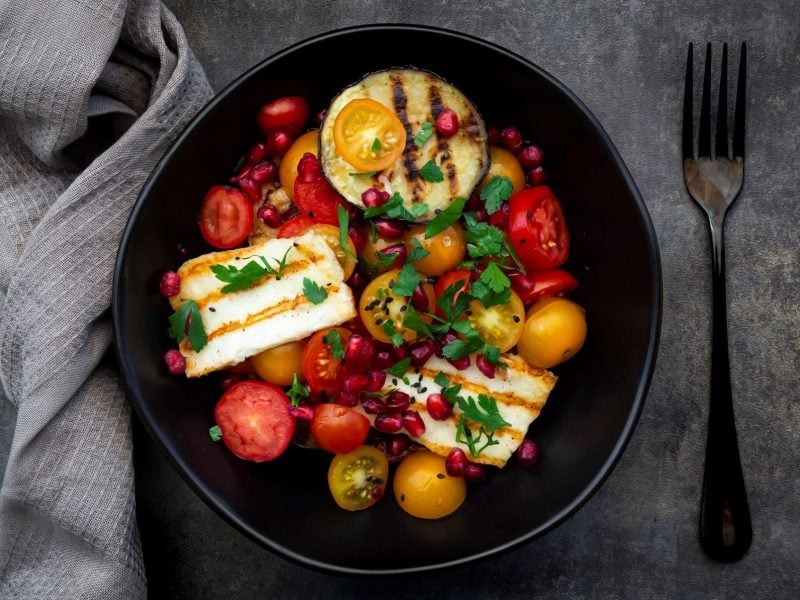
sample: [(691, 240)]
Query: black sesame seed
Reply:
[(212, 309), (389, 299), (440, 475), (311, 214), (529, 215), (402, 497), (516, 318), (522, 241), (394, 381), (403, 308), (423, 390), (378, 321)]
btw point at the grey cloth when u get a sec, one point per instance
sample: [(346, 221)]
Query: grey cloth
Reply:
[(91, 93)]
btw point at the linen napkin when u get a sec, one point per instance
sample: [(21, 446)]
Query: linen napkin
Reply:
[(91, 94)]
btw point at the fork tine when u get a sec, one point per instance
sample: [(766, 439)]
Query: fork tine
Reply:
[(722, 107), (738, 115), (704, 137), (688, 103)]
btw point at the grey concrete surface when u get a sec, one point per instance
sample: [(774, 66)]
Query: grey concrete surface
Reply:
[(637, 538)]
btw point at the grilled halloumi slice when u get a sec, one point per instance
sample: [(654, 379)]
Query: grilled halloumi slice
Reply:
[(416, 97), (520, 392), (273, 312)]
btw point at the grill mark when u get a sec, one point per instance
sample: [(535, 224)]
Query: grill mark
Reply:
[(452, 177), (400, 101), (435, 99)]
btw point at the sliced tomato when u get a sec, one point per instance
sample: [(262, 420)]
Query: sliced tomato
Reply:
[(255, 421), (295, 226), (448, 279), (313, 195), (379, 304), (323, 371), (537, 228), (542, 284), (338, 429), (287, 114), (226, 217), (368, 135), (499, 325), (357, 480)]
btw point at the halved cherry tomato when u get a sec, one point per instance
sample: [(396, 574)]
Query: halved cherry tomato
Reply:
[(226, 217), (357, 480), (288, 114), (314, 196), (542, 284), (537, 228), (323, 372), (255, 421), (295, 226), (331, 235), (338, 429), (504, 164), (368, 135), (379, 304), (446, 249), (499, 325), (280, 364), (554, 331), (448, 279), (287, 172)]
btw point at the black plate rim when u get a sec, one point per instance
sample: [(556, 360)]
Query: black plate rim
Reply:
[(133, 393)]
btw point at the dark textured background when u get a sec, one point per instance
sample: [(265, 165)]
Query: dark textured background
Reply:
[(637, 537)]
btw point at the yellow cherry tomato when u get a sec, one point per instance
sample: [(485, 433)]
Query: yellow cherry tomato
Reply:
[(374, 244), (378, 304), (357, 480), (287, 172), (331, 235), (423, 488), (554, 331), (500, 325), (368, 135), (446, 249), (278, 365), (503, 163)]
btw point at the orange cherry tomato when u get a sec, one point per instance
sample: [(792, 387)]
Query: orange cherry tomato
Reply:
[(446, 249), (287, 172), (554, 331), (504, 164), (324, 371), (378, 304), (368, 135), (280, 364)]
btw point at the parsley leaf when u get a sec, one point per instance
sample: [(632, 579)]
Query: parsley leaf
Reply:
[(413, 321), (424, 134), (461, 348), (492, 354), (186, 322), (394, 209), (344, 229), (464, 435), (298, 392), (246, 277), (399, 368), (445, 218), (450, 393), (394, 336), (368, 174), (407, 281), (497, 191), (484, 412), (376, 145), (513, 254), (431, 172), (417, 251), (215, 433), (334, 342), (494, 278), (483, 240), (453, 302), (313, 291)]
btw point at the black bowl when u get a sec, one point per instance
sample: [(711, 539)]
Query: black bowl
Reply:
[(589, 418)]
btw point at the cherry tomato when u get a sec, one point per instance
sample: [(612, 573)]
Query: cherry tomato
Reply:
[(338, 428), (357, 480), (423, 488), (331, 235), (537, 228), (446, 249), (554, 331), (226, 217), (379, 304), (294, 227), (374, 244), (255, 421), (499, 325), (448, 279), (287, 172), (504, 164), (542, 284), (322, 371), (368, 135), (280, 364), (287, 114), (315, 197)]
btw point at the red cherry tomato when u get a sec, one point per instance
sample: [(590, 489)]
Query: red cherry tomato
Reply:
[(226, 217), (323, 371), (287, 114), (255, 421), (448, 279), (537, 228), (338, 429), (313, 195), (295, 226), (542, 284)]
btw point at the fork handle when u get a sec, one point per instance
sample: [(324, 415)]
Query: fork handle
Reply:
[(725, 527)]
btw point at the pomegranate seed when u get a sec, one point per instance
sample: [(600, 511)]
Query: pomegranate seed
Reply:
[(243, 172), (447, 123), (485, 366), (413, 423), (441, 342), (419, 299), (356, 383), (278, 143), (493, 136), (401, 254), (499, 218), (474, 203), (304, 412), (376, 493), (358, 233), (511, 139), (460, 363), (530, 157), (257, 153), (170, 284), (481, 215), (386, 423), (346, 398), (383, 359), (229, 381), (250, 189), (308, 167), (389, 229), (475, 473), (320, 116), (264, 172), (421, 351), (537, 176), (528, 453), (360, 353), (376, 380), (373, 197), (438, 408), (397, 402), (175, 362), (372, 406), (399, 352), (398, 445), (358, 281), (456, 462), (269, 215)]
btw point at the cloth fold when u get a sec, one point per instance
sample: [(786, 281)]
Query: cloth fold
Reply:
[(67, 184)]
